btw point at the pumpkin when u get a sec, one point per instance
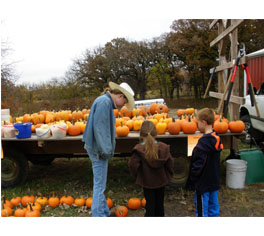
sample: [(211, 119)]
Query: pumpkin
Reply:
[(74, 130), (109, 202), (137, 124), (130, 124), (79, 201), (67, 200), (27, 199), (116, 112), (181, 112), (174, 127), (42, 201), (134, 203), (89, 202), (15, 201), (8, 204), (125, 112), (161, 127), (153, 108), (160, 108), (135, 112), (32, 212), (143, 110), (220, 126), (54, 201), (49, 118), (20, 212), (118, 122), (26, 118), (122, 131), (6, 211), (189, 127), (121, 211), (154, 121), (34, 206), (236, 126), (189, 111), (143, 202)]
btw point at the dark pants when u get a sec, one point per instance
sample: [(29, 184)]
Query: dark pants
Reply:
[(154, 201)]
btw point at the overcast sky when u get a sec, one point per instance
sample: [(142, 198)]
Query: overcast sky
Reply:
[(45, 36)]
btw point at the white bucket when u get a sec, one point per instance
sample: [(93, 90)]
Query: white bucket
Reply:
[(43, 131), (9, 131), (59, 130), (236, 173)]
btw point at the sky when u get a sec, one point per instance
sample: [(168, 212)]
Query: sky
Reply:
[(47, 35)]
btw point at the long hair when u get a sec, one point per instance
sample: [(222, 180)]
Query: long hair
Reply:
[(147, 133), (115, 91)]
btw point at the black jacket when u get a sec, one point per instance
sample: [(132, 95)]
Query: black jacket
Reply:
[(204, 175), (155, 174)]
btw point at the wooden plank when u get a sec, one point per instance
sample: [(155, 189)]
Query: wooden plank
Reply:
[(233, 99), (213, 23), (226, 32), (229, 65)]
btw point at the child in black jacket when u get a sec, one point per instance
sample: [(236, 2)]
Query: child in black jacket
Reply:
[(204, 176)]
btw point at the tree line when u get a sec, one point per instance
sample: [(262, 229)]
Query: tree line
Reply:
[(170, 66)]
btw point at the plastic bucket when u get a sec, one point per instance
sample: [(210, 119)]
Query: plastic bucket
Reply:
[(9, 131), (23, 130), (236, 173)]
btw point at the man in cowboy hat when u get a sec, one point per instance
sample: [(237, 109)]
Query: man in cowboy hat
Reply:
[(99, 138)]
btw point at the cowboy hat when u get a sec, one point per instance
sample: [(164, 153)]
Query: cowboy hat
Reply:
[(127, 91)]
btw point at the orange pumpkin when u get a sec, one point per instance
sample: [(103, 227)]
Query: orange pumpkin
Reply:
[(67, 200), (220, 126), (74, 130), (20, 212), (122, 131), (119, 121), (116, 112), (8, 204), (15, 201), (34, 206), (153, 108), (181, 112), (109, 202), (42, 201), (79, 201), (236, 126), (6, 211), (174, 127), (32, 212), (121, 211), (134, 203), (27, 199), (125, 112), (89, 202), (189, 126), (54, 201), (143, 202)]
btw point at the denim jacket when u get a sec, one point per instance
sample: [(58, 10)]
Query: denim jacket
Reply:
[(99, 134)]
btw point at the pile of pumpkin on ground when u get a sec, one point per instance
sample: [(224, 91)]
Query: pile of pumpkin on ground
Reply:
[(127, 121), (29, 206)]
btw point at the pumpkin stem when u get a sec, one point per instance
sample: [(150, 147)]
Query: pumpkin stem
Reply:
[(31, 209)]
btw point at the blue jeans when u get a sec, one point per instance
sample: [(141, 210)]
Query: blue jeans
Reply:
[(206, 204), (99, 206)]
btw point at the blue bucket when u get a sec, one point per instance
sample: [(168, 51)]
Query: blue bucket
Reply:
[(23, 130)]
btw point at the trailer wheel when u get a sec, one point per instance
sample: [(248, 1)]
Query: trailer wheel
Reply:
[(14, 169), (181, 171)]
